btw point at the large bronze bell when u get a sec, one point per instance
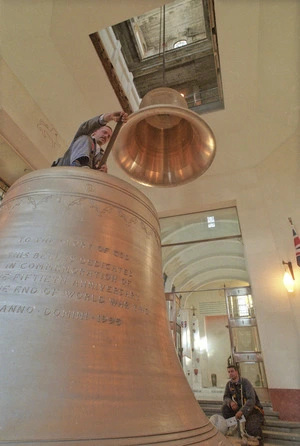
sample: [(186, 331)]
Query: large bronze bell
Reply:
[(164, 143), (87, 356)]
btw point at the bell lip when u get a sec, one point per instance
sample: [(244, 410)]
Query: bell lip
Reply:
[(151, 111)]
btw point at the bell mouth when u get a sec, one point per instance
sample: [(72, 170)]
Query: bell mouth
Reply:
[(164, 145)]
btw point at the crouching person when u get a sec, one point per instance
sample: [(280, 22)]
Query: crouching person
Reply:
[(240, 399)]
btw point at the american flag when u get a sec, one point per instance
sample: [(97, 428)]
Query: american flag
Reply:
[(296, 242)]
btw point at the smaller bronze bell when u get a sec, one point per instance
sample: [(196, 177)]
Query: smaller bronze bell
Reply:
[(164, 143)]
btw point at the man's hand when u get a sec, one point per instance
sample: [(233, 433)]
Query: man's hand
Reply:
[(103, 168), (239, 415), (116, 116)]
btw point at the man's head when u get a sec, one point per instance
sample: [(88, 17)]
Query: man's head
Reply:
[(233, 372), (102, 135)]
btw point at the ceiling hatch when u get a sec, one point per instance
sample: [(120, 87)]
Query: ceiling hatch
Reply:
[(174, 46)]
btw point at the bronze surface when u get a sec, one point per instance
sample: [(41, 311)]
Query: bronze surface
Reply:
[(87, 356), (164, 144)]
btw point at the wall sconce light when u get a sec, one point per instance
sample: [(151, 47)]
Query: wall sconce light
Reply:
[(288, 278)]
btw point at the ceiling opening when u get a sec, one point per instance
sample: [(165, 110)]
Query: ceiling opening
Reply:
[(174, 46)]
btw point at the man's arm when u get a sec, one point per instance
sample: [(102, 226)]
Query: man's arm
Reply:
[(115, 116), (249, 396), (227, 395), (88, 127)]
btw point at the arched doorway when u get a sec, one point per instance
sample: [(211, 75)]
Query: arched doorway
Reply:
[(204, 268)]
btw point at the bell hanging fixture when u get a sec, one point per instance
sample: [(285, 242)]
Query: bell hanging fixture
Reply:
[(165, 143)]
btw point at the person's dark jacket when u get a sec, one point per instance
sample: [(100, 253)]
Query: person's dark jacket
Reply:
[(243, 394)]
